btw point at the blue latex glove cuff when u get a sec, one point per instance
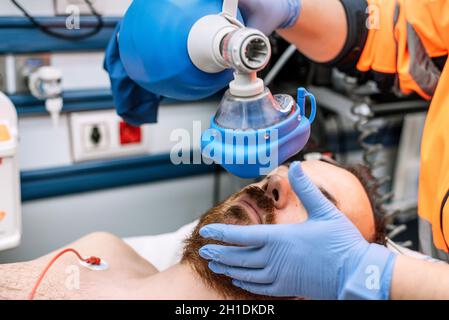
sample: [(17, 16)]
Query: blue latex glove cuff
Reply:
[(295, 7), (371, 280), (269, 15)]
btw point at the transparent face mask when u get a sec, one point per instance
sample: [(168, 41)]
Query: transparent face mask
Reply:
[(260, 112)]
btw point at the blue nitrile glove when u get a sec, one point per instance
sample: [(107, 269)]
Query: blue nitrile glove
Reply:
[(270, 15), (325, 257), (133, 103)]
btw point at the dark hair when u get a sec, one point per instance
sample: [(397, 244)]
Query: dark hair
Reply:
[(371, 185)]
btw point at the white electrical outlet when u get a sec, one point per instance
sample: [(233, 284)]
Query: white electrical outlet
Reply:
[(95, 136), (100, 135)]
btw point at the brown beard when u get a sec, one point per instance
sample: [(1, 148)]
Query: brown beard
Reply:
[(227, 214)]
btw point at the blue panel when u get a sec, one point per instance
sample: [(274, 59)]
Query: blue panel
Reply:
[(18, 35), (75, 100), (99, 175), (92, 176)]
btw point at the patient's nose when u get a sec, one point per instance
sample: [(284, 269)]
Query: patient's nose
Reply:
[(277, 189)]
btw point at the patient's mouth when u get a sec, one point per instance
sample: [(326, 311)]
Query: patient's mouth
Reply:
[(258, 205), (251, 211)]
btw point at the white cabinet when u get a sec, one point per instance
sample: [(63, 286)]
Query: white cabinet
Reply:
[(10, 211)]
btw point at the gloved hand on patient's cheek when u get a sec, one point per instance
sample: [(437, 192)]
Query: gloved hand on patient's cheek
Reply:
[(325, 257)]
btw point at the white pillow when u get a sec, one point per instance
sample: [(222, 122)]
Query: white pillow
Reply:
[(162, 251)]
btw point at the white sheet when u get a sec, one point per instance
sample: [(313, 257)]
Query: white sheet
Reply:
[(162, 251)]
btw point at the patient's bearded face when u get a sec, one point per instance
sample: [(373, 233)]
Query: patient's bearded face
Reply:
[(232, 211), (272, 201)]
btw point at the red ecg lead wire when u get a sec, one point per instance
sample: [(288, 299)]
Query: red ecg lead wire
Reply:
[(95, 261)]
